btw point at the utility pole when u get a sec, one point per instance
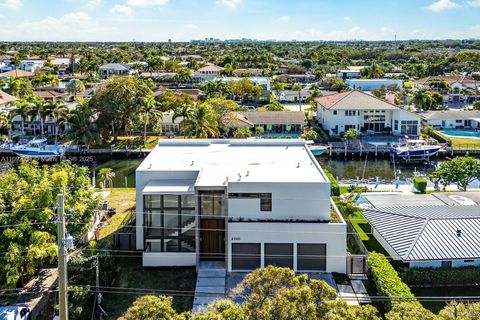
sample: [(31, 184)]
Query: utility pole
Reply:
[(62, 258), (97, 283)]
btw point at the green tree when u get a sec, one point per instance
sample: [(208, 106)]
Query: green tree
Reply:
[(223, 109), (149, 112), (460, 311), (216, 89), (335, 84), (105, 177), (151, 308), (4, 120), (298, 88), (118, 102), (242, 133), (183, 75), (20, 87), (82, 127), (459, 170), (259, 130), (22, 109), (75, 87), (202, 122), (58, 110), (29, 195), (351, 134), (309, 134)]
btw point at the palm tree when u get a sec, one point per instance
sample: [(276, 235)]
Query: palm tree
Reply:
[(298, 88), (149, 111), (22, 109), (202, 121), (75, 86), (40, 109), (82, 128), (105, 177), (183, 75), (216, 88), (58, 110), (422, 98), (4, 120)]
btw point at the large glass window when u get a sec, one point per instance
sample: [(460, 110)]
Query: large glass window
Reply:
[(409, 127), (212, 203), (169, 223)]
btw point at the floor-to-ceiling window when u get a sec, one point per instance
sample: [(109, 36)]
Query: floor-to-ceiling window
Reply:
[(409, 127), (169, 223)]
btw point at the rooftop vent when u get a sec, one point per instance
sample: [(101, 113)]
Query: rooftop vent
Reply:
[(149, 166), (191, 164), (239, 177), (459, 233), (248, 173), (298, 165)]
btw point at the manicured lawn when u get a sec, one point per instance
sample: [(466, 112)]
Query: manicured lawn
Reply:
[(131, 274), (364, 230), (436, 306), (123, 200), (465, 143)]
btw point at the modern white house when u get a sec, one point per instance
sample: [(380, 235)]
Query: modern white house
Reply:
[(31, 65), (450, 119), (429, 236), (350, 72), (372, 84), (246, 203), (207, 73), (366, 114), (293, 96), (115, 69)]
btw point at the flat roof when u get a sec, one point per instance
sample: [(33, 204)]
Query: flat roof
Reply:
[(247, 160), (170, 186)]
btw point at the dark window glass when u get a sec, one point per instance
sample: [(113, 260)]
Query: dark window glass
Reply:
[(311, 257), (245, 256), (446, 264), (265, 202), (279, 254)]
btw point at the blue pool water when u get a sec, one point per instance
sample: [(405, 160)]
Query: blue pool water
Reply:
[(461, 133)]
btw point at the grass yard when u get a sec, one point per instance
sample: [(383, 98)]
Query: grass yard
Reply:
[(122, 199), (131, 274), (465, 143), (364, 230)]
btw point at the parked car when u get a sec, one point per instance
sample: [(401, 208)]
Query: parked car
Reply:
[(15, 312)]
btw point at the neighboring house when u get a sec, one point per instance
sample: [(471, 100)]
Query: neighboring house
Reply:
[(31, 65), (428, 236), (366, 114), (351, 72), (64, 63), (6, 99), (207, 73), (195, 57), (262, 82), (297, 78), (447, 119), (160, 76), (50, 94), (273, 122), (248, 72), (115, 69), (372, 84), (6, 64), (170, 127), (195, 93), (292, 96), (246, 203), (458, 83), (17, 74)]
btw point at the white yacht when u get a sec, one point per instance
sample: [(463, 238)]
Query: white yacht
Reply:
[(38, 148)]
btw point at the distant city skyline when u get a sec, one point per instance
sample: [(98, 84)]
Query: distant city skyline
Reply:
[(282, 20)]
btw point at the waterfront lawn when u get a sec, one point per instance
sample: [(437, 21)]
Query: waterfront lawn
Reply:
[(364, 230), (465, 143), (130, 274), (123, 200), (436, 306), (135, 142)]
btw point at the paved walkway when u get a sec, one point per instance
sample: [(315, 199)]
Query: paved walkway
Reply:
[(210, 284)]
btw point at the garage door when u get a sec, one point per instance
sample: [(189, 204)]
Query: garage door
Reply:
[(279, 254), (245, 256), (311, 257)]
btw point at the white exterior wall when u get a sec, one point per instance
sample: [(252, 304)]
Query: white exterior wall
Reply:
[(404, 115), (438, 264), (449, 123), (289, 200), (332, 234), (169, 259), (142, 178)]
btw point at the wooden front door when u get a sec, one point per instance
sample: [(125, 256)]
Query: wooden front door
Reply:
[(212, 241)]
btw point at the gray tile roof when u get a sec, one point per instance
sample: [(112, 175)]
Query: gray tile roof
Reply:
[(429, 233), (451, 115)]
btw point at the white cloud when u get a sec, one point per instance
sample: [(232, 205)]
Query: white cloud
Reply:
[(121, 10), (284, 18), (473, 3), (441, 5), (191, 26), (230, 3), (347, 18), (417, 34), (356, 31), (386, 30), (94, 3), (12, 4), (146, 3)]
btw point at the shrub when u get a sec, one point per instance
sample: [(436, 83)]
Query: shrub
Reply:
[(440, 276), (420, 184), (334, 186), (16, 138), (432, 133), (387, 280)]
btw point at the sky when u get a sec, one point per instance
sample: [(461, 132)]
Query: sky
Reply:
[(184, 20)]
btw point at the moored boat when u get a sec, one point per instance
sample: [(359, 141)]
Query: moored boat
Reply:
[(414, 149), (38, 148)]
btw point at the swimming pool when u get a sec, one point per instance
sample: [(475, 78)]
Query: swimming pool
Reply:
[(461, 133)]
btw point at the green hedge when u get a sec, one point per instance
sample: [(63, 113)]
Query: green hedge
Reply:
[(432, 133), (322, 136), (440, 276), (334, 186), (387, 280), (420, 184)]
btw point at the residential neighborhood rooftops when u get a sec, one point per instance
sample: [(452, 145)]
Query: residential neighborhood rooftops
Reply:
[(418, 233), (275, 117), (448, 78), (48, 94), (221, 161), (354, 100), (17, 74), (6, 98), (115, 66), (451, 115), (209, 67)]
